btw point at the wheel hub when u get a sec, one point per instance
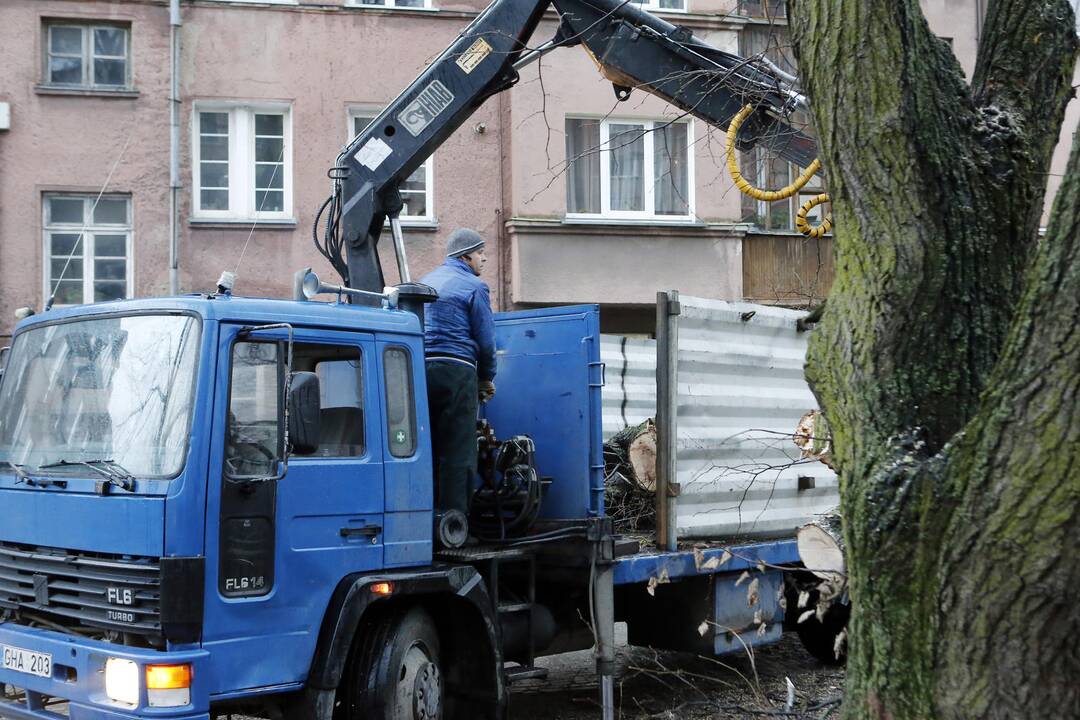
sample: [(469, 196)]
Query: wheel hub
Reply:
[(427, 692)]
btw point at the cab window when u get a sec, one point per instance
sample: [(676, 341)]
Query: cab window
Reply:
[(253, 444), (341, 395), (400, 408)]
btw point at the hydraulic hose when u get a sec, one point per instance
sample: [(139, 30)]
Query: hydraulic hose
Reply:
[(802, 224)]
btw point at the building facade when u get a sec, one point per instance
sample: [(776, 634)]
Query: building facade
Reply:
[(269, 92)]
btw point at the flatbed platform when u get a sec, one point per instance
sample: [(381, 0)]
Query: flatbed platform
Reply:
[(639, 567)]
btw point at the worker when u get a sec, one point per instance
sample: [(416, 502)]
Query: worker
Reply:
[(459, 339)]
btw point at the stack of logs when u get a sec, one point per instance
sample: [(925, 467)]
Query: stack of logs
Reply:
[(630, 479)]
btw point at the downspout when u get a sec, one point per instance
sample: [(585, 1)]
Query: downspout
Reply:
[(174, 146), (980, 14), (501, 214)]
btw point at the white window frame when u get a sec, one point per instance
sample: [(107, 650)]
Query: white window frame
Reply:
[(388, 5), (813, 188), (781, 15), (427, 218), (649, 214), (88, 231), (242, 161), (654, 6), (262, 2), (88, 54)]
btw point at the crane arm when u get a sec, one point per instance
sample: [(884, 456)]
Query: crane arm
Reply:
[(633, 49)]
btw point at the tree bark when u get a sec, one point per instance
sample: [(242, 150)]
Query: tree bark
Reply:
[(948, 359)]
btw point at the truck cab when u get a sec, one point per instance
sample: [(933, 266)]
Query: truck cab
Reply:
[(213, 503), (153, 515)]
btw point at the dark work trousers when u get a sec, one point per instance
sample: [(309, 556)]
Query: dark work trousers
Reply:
[(452, 402)]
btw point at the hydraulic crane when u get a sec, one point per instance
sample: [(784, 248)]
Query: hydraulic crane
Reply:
[(633, 49)]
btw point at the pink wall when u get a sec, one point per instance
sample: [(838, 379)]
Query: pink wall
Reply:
[(71, 143), (322, 62)]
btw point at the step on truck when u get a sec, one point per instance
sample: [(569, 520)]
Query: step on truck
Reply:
[(213, 504)]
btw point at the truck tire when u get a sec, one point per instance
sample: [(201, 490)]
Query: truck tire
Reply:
[(394, 673)]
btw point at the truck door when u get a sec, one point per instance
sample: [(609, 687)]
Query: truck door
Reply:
[(278, 548), (549, 379)]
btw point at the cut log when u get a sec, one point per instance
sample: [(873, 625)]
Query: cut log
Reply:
[(814, 438), (630, 472), (821, 547), (632, 454)]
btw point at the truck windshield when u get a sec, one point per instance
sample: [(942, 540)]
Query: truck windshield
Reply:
[(118, 388)]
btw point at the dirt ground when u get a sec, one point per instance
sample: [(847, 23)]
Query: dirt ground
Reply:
[(653, 685), (671, 685)]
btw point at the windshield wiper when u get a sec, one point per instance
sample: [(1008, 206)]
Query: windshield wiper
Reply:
[(112, 471), (32, 482)]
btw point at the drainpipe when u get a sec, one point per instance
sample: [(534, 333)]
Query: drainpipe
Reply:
[(174, 146)]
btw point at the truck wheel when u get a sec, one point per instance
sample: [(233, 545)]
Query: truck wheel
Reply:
[(395, 672), (819, 636)]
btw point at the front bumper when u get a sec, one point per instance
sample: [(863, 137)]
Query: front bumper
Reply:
[(78, 676)]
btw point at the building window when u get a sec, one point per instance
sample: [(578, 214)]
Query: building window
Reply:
[(417, 190), (662, 5), (87, 56), (87, 248), (767, 171), (763, 8), (242, 163), (411, 4), (763, 167), (629, 169)]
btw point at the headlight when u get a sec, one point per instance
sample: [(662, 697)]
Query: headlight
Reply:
[(122, 681), (168, 685)]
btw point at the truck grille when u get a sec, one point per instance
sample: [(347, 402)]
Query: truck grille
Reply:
[(91, 590)]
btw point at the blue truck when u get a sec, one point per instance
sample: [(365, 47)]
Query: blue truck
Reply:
[(214, 504), (150, 568)]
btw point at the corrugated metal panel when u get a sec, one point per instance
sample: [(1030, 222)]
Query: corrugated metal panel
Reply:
[(741, 393), (629, 393)]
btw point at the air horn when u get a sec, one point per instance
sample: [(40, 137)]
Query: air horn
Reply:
[(306, 285)]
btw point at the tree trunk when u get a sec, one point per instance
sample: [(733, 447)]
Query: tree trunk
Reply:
[(948, 359)]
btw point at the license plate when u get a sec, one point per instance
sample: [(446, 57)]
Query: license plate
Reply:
[(32, 663)]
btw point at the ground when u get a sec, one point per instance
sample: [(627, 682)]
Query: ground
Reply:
[(679, 686), (672, 685)]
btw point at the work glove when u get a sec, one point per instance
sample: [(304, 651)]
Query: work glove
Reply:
[(487, 390)]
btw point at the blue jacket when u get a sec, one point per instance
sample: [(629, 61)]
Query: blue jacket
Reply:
[(460, 323)]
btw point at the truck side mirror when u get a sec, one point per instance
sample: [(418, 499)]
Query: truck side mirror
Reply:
[(304, 413)]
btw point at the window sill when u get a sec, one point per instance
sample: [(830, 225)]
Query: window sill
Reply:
[(267, 224), (600, 220), (127, 93), (258, 2), (755, 230), (384, 8), (417, 226)]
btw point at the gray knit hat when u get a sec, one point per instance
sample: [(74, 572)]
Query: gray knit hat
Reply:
[(462, 242)]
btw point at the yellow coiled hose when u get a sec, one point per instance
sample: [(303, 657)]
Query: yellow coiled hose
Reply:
[(802, 224)]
